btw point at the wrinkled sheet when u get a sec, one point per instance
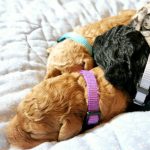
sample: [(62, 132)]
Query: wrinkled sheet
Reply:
[(27, 29)]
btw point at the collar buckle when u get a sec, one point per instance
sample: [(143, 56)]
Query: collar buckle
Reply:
[(93, 115), (141, 95)]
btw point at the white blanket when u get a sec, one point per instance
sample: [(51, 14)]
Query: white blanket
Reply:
[(27, 29)]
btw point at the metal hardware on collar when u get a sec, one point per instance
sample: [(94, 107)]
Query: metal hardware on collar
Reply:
[(93, 114), (144, 86), (89, 113), (77, 38), (142, 90)]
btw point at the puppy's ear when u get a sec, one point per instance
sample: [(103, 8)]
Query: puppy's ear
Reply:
[(49, 50), (119, 74), (71, 126), (52, 45)]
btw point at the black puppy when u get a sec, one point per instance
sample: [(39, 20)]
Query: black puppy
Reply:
[(123, 53)]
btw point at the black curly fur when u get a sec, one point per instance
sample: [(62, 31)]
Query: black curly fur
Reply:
[(123, 53)]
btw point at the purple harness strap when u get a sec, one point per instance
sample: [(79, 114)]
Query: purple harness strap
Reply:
[(93, 114)]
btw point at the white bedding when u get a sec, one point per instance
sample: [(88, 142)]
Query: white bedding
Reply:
[(27, 28)]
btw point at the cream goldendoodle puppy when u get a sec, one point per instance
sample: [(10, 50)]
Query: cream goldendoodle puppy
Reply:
[(69, 56)]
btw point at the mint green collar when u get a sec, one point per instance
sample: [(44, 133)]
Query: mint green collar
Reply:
[(77, 38)]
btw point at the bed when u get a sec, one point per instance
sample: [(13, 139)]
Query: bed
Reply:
[(27, 29)]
